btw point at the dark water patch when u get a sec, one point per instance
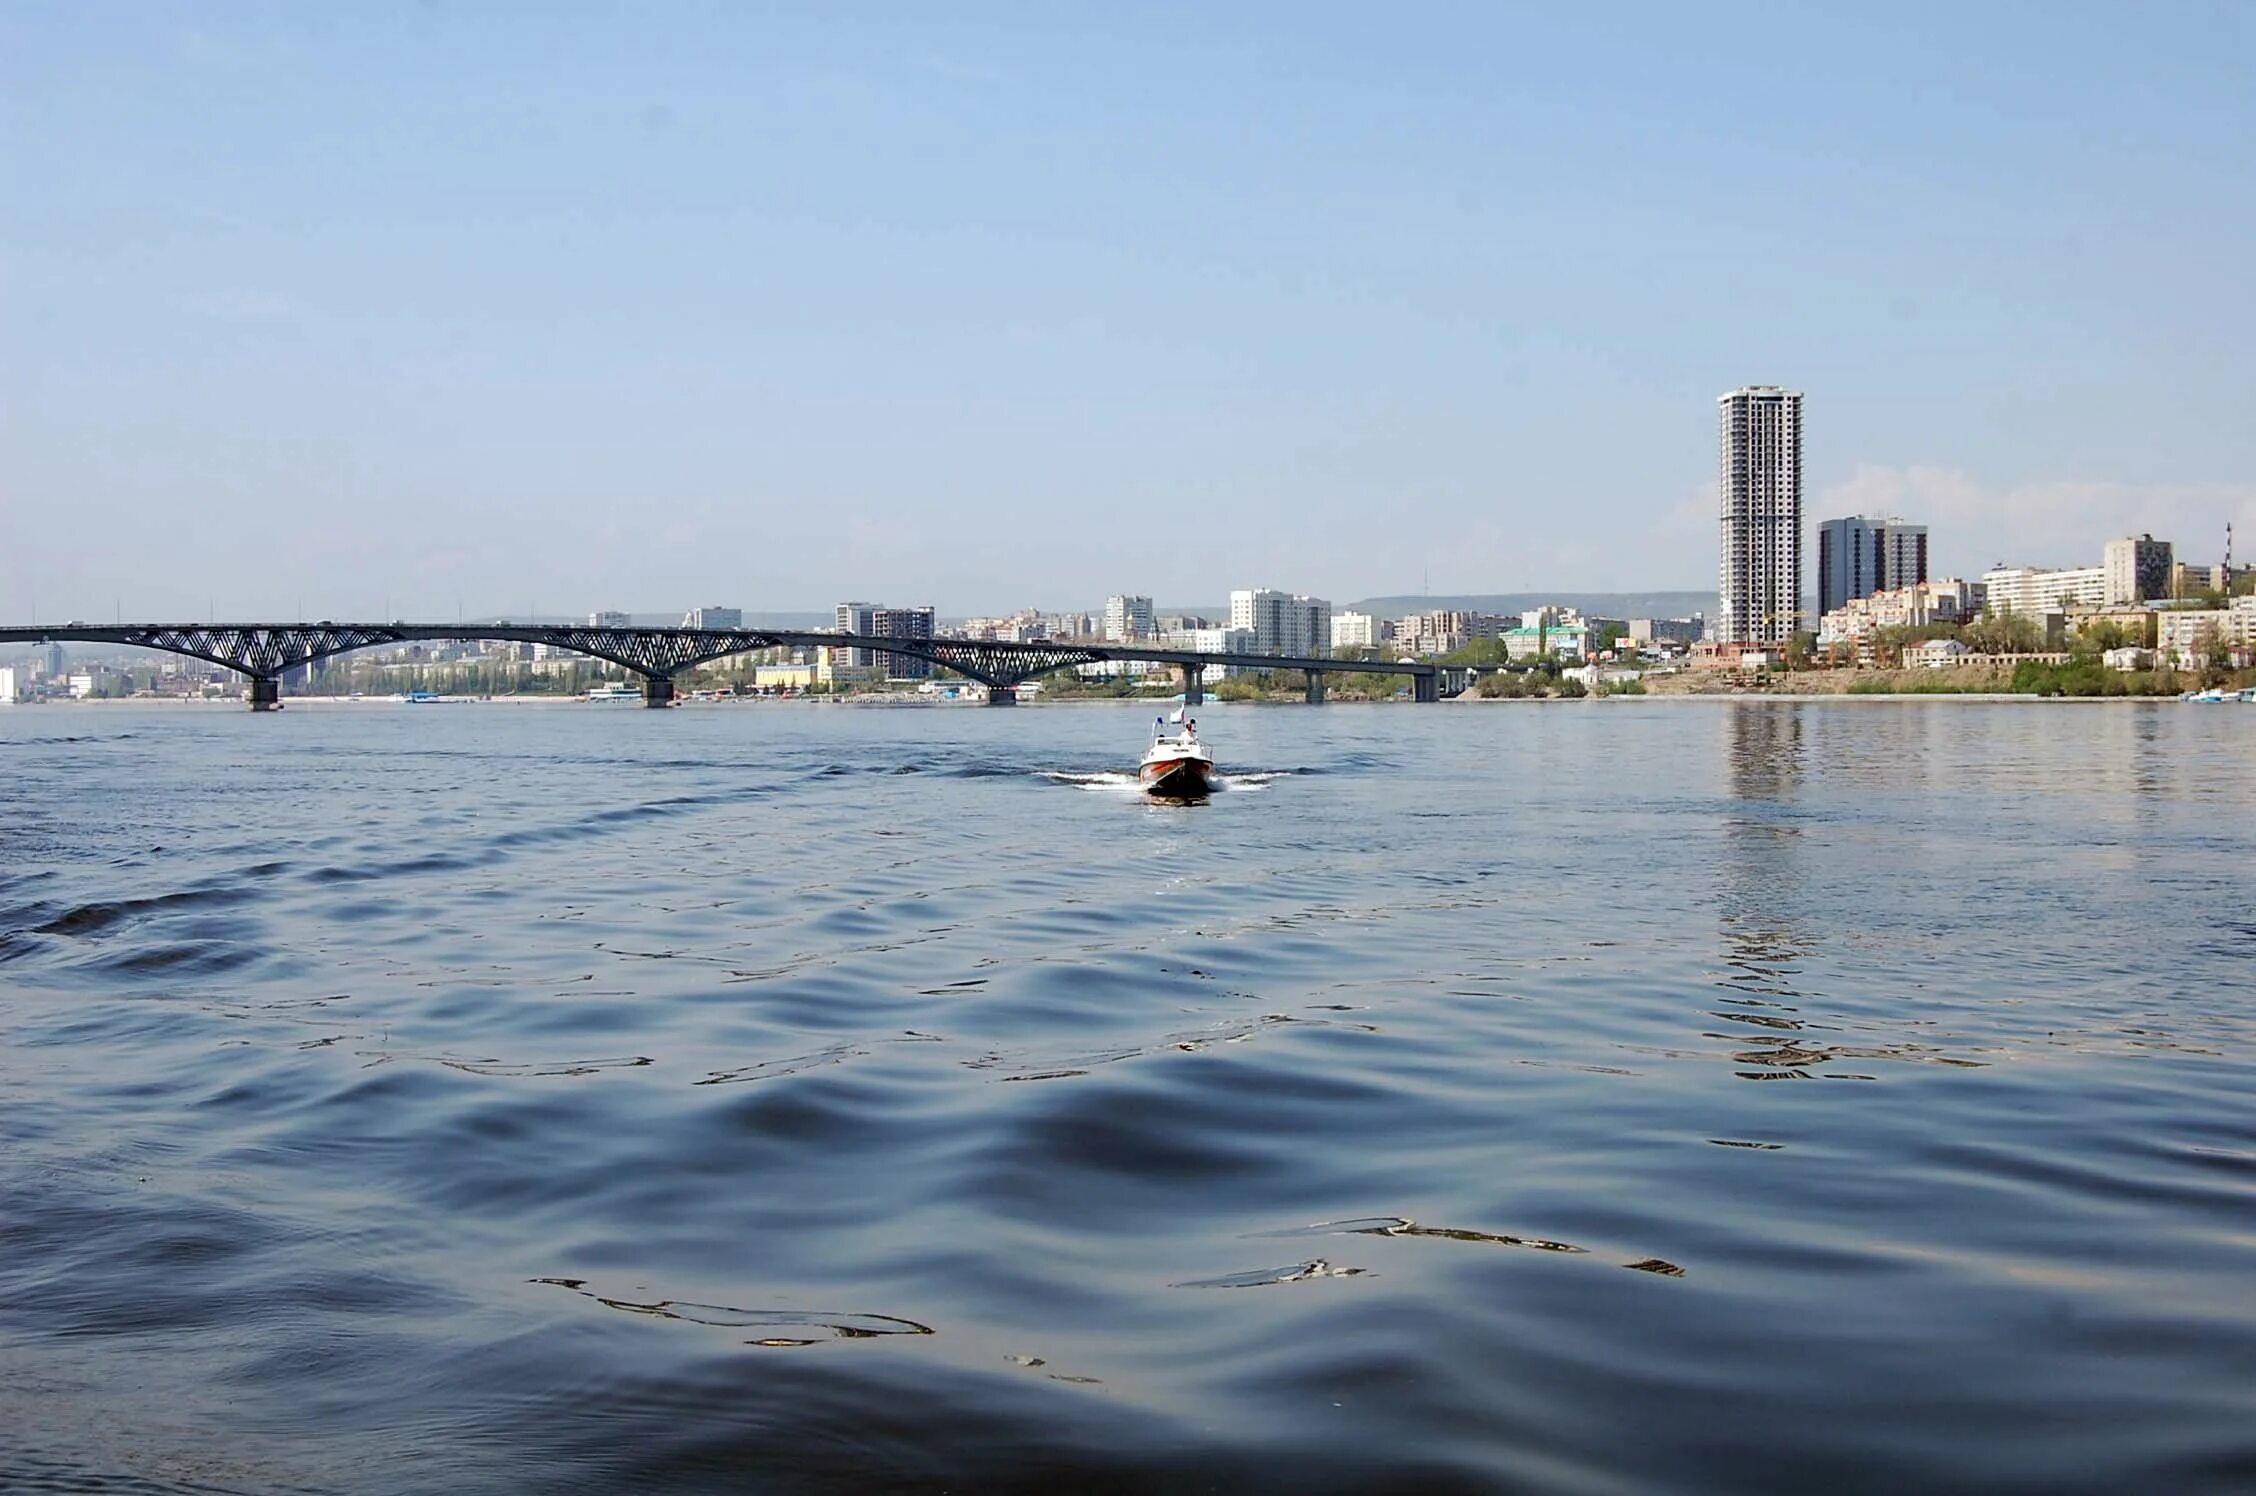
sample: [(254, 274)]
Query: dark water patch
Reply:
[(184, 958), (64, 740), (432, 862), (1403, 1226), (836, 1054), (16, 943), (96, 918), (525, 1069), (772, 1328)]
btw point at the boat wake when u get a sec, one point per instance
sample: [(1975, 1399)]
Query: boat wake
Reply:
[(1113, 782)]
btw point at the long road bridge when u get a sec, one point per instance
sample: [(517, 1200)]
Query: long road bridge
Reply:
[(264, 652)]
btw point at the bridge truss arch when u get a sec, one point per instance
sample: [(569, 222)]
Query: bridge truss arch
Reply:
[(264, 652)]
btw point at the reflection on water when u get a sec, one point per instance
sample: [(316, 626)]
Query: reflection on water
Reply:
[(822, 1099), (1763, 877)]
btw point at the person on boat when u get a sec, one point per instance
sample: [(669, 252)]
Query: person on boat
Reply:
[(1190, 729)]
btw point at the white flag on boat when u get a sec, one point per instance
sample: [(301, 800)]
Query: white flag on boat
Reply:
[(1178, 715)]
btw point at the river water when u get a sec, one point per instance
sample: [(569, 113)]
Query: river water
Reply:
[(1562, 1096)]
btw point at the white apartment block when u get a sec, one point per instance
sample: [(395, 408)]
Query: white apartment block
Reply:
[(2030, 590), (11, 690), (1759, 479), (1352, 630), (715, 617), (1212, 641), (1283, 623), (1128, 618), (608, 620)]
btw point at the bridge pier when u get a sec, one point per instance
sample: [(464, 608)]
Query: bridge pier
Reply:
[(1002, 696), (1194, 685), (1315, 688), (657, 690), (265, 694), (1425, 686)]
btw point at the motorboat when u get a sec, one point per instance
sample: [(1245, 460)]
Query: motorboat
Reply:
[(1176, 765)]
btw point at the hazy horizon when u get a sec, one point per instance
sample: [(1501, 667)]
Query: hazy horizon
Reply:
[(418, 311)]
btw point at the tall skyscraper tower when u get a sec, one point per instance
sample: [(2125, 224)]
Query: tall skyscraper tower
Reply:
[(1759, 583)]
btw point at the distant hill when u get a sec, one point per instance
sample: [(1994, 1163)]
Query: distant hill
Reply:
[(1591, 604)]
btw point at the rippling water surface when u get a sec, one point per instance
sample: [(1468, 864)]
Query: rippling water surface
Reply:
[(1581, 1097)]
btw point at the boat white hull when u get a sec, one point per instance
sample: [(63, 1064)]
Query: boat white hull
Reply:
[(1176, 767)]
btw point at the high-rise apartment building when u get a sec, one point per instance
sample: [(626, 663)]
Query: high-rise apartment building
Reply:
[(609, 620), (713, 618), (857, 618), (1859, 556), (905, 623), (2137, 569), (1128, 618), (875, 619), (1283, 623), (1759, 580)]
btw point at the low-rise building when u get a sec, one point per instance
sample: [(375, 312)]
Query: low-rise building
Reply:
[(1646, 632), (792, 677), (2181, 634), (2188, 580), (1445, 630), (2135, 624), (1120, 669), (1934, 654), (1946, 600), (1566, 641)]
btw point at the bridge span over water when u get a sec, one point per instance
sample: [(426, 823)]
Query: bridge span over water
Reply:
[(264, 652)]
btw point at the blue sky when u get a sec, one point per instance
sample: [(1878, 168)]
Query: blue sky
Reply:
[(315, 308)]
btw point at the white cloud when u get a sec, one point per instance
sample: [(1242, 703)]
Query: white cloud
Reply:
[(2055, 522)]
